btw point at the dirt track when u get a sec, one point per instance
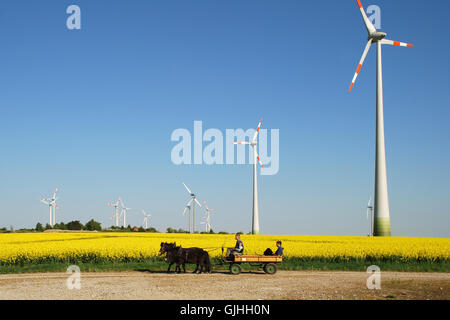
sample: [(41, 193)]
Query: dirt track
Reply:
[(282, 285)]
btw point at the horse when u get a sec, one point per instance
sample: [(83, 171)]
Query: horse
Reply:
[(180, 255), (171, 251), (197, 256)]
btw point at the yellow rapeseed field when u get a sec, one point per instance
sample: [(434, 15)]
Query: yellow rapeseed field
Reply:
[(17, 248)]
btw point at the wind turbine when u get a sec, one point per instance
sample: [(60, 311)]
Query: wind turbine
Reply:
[(116, 210), (207, 217), (194, 198), (188, 207), (382, 223), (51, 202), (253, 143), (124, 213), (146, 216), (369, 213)]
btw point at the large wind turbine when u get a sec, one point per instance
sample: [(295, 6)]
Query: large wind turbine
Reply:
[(51, 202), (116, 210), (193, 200), (382, 223), (253, 143)]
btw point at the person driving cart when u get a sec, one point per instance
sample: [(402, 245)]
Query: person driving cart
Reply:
[(238, 248)]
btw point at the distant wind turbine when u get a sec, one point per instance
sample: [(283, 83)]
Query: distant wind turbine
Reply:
[(193, 201), (51, 202)]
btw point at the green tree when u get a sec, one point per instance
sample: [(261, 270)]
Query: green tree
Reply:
[(39, 227), (74, 225), (92, 225)]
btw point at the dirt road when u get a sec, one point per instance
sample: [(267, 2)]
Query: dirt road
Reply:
[(254, 285)]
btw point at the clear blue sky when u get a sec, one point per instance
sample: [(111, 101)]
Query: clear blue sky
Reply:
[(91, 111)]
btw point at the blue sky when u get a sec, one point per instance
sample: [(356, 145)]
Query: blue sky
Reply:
[(91, 111)]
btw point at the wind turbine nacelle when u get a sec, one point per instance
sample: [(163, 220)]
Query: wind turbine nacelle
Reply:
[(376, 36)]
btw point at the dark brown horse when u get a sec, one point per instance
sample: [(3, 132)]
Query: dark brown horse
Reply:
[(180, 255), (171, 251)]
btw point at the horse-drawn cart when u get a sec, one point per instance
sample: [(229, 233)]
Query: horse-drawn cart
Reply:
[(267, 263)]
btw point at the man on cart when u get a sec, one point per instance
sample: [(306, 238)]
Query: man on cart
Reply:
[(237, 250)]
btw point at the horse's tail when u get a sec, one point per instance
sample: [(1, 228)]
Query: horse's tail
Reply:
[(208, 262)]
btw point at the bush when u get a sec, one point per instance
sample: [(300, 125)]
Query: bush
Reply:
[(92, 225), (75, 225)]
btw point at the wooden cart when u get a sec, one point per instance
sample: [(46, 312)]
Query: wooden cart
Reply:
[(267, 263)]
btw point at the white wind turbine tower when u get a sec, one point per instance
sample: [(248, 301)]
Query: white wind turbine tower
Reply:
[(369, 213), (253, 143), (382, 224), (116, 210), (188, 207), (146, 216), (207, 217), (51, 202), (124, 213), (193, 201)]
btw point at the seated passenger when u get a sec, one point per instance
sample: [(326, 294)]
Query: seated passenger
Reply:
[(279, 251)]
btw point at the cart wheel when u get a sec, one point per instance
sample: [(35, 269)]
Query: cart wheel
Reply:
[(270, 268), (235, 268)]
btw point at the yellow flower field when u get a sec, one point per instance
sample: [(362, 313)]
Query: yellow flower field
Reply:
[(117, 246)]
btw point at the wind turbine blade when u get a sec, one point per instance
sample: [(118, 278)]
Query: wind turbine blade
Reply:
[(259, 160), (369, 26), (240, 142), (43, 201), (189, 202), (257, 131), (198, 203), (184, 211), (396, 43), (366, 50), (190, 192)]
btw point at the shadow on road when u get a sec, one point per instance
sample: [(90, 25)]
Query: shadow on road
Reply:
[(191, 272)]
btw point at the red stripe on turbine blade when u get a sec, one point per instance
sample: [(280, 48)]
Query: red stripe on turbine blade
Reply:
[(259, 160), (359, 68), (409, 45), (396, 43), (351, 86), (359, 3)]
